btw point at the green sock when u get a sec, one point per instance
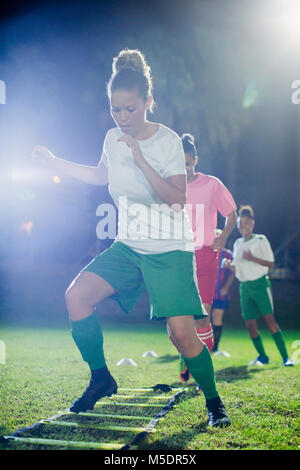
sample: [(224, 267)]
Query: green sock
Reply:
[(280, 343), (202, 370), (88, 337), (259, 346)]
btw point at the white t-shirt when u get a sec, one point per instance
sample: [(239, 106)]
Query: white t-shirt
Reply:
[(260, 247), (146, 224)]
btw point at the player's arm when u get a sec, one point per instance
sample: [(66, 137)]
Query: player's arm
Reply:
[(87, 174), (220, 241), (171, 190), (263, 262)]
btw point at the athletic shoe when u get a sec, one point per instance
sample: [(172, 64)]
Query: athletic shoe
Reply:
[(287, 362), (259, 361), (184, 374), (221, 353), (217, 415), (95, 391)]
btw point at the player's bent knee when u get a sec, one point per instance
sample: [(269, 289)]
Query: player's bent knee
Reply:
[(269, 319), (75, 298), (181, 338)]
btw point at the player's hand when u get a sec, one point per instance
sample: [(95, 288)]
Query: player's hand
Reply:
[(133, 144), (224, 291), (226, 263), (219, 243), (42, 155)]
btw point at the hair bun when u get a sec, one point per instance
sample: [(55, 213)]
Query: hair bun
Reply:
[(188, 138), (246, 211), (130, 71), (130, 59), (188, 143)]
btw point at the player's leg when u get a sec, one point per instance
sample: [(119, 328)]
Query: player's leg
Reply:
[(86, 291), (113, 272), (265, 302), (184, 373), (182, 329), (250, 314), (199, 363), (204, 328), (207, 261), (262, 357), (170, 281), (82, 295), (217, 317), (278, 338)]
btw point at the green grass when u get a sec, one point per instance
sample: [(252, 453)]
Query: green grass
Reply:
[(44, 373)]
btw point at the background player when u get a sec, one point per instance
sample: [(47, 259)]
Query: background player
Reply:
[(252, 259), (206, 197)]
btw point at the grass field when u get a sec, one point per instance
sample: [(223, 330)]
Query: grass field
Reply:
[(43, 373)]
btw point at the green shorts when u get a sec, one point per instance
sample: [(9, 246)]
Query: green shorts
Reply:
[(256, 298), (168, 278)]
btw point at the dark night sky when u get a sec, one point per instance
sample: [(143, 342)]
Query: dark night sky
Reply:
[(221, 71)]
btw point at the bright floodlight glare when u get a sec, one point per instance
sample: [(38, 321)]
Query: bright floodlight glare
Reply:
[(19, 175), (287, 19)]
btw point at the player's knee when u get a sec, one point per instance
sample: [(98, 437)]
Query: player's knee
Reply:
[(252, 328), (271, 323), (69, 294), (270, 320), (181, 338), (74, 296)]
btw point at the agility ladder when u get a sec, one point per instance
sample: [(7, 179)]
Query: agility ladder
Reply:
[(59, 420)]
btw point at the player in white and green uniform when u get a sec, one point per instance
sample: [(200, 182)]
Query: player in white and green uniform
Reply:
[(252, 259)]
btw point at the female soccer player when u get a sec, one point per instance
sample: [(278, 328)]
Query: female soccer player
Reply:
[(252, 259), (143, 162), (206, 196)]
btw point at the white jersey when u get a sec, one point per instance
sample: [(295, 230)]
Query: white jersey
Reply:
[(145, 223), (260, 247)]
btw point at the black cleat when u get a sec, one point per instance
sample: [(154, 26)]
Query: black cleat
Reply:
[(217, 416), (95, 391)]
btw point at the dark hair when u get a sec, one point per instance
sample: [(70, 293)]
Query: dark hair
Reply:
[(130, 71), (188, 142), (246, 211)]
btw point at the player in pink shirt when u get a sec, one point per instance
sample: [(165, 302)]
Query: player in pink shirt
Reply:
[(206, 196)]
